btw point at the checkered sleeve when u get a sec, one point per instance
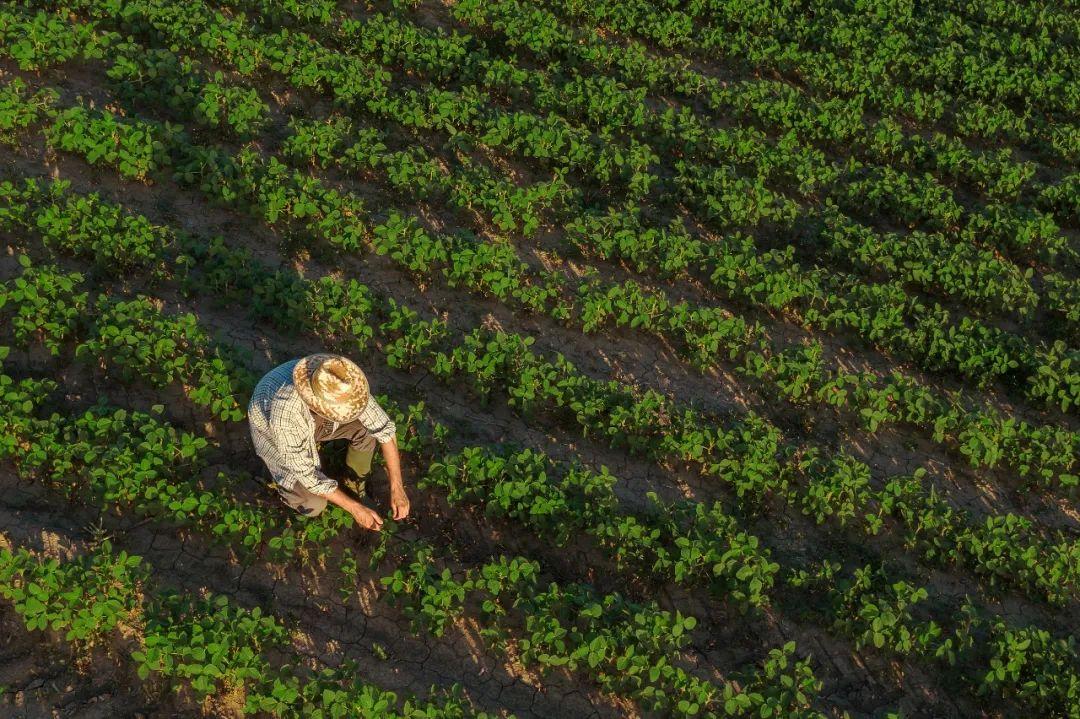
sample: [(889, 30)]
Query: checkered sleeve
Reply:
[(298, 452), (283, 434), (375, 419)]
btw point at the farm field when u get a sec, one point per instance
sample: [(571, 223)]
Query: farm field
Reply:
[(732, 347)]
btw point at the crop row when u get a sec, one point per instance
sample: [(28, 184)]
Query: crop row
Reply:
[(97, 431), (777, 106), (1049, 20), (133, 339), (623, 646), (746, 454), (870, 607), (215, 98), (732, 39), (933, 51), (659, 447), (780, 108), (729, 199), (112, 441), (379, 105), (235, 281), (967, 61), (428, 52), (132, 459), (1026, 664), (847, 238), (718, 192), (431, 595), (975, 349), (983, 436), (203, 643), (1054, 378), (681, 133), (629, 647), (72, 130), (48, 39)]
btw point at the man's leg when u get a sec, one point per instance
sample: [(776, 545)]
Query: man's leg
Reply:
[(359, 454), (302, 500), (358, 458)]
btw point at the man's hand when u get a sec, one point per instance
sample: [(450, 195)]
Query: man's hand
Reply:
[(399, 503), (367, 518)]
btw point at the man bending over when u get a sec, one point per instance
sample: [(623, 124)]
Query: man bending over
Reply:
[(315, 399)]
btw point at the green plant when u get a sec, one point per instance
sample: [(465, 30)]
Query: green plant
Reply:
[(43, 306), (84, 599)]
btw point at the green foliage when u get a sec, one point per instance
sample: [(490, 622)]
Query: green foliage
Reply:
[(1037, 669), (207, 643), (20, 110), (85, 226), (46, 39), (85, 599), (138, 341), (137, 149), (42, 305), (976, 232), (1057, 379), (629, 648)]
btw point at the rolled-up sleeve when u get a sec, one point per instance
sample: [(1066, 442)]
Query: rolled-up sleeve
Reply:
[(376, 421)]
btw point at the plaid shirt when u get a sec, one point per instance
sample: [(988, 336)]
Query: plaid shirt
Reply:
[(283, 431)]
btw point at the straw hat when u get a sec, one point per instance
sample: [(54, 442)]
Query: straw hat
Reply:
[(332, 386)]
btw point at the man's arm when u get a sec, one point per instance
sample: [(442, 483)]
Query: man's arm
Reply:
[(375, 419), (399, 501)]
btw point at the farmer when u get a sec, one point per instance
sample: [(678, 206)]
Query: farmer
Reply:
[(314, 399)]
